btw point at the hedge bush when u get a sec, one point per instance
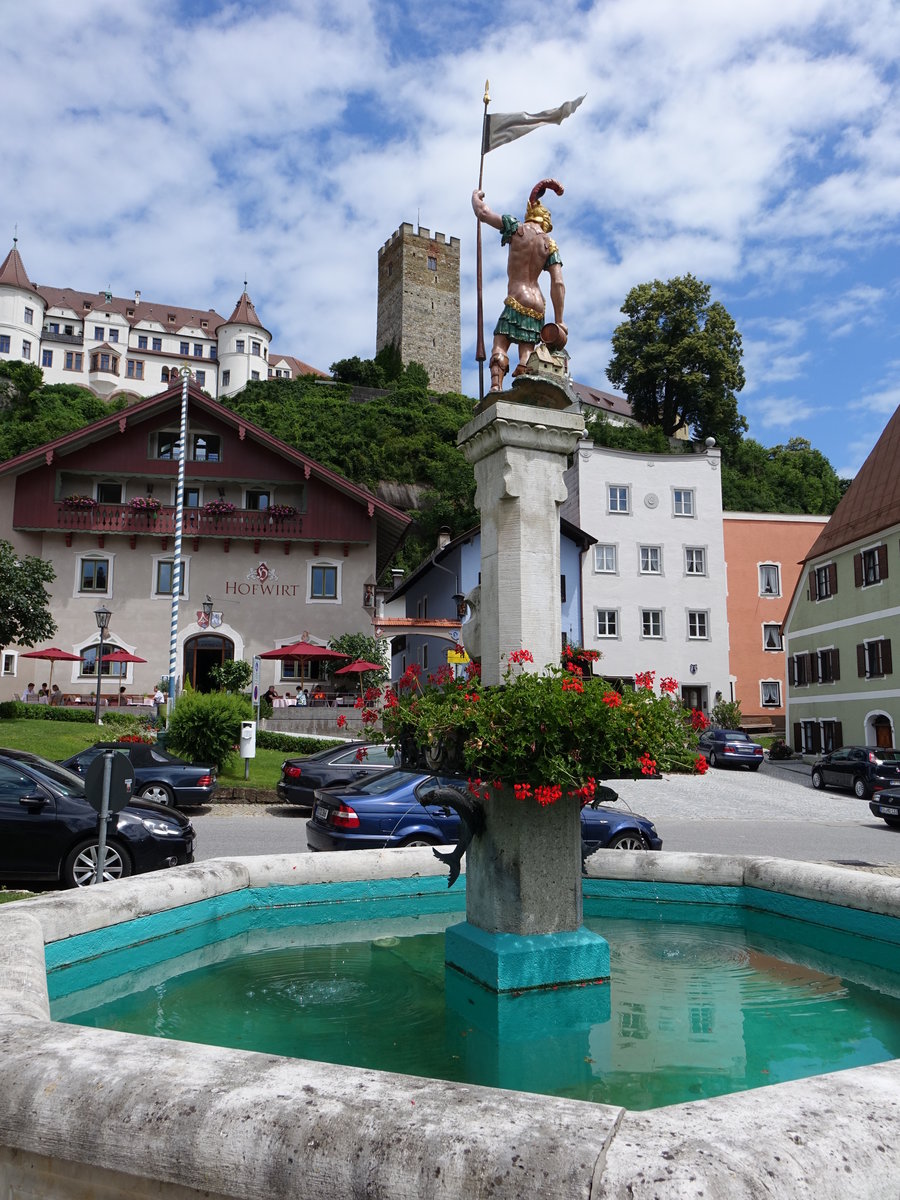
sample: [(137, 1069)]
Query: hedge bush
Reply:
[(12, 709), (206, 727), (267, 739)]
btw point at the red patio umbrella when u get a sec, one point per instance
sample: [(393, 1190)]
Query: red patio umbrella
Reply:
[(121, 656), (302, 652), (359, 667), (52, 655)]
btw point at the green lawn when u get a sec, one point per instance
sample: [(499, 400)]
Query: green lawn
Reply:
[(60, 739)]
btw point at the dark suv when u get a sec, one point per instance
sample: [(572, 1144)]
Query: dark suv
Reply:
[(860, 769)]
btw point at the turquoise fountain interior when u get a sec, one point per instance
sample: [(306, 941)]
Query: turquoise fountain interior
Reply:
[(714, 990)]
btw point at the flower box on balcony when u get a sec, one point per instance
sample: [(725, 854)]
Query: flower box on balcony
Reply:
[(144, 504), (218, 508), (79, 502)]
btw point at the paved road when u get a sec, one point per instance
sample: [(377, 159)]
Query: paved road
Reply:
[(774, 811)]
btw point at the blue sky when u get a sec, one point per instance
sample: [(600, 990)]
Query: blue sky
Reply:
[(179, 148)]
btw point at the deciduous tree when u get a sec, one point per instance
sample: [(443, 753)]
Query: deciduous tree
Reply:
[(24, 600), (678, 359)]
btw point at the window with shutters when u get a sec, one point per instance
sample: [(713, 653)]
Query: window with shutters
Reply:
[(832, 735), (800, 670), (823, 582), (870, 566), (827, 663), (874, 659)]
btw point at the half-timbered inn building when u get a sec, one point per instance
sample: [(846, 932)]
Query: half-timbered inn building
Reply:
[(284, 548)]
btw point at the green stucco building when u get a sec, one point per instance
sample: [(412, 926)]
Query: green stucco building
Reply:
[(842, 687)]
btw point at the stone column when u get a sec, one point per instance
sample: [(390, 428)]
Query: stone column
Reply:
[(519, 452), (523, 928)]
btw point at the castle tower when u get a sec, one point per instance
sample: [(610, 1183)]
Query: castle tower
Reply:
[(243, 348), (418, 303), (21, 311)]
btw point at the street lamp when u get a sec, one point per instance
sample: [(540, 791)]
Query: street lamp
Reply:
[(207, 607), (102, 615)]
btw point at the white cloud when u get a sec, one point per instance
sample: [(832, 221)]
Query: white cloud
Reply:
[(177, 148)]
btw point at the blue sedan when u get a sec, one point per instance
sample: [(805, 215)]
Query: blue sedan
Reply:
[(394, 809)]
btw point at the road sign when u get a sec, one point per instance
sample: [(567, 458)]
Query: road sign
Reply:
[(121, 782), (458, 656)]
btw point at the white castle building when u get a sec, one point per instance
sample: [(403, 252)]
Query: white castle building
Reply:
[(113, 345)]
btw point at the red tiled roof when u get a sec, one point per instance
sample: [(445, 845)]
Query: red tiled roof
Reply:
[(872, 502), (13, 272), (171, 317), (297, 365), (603, 401), (245, 314)]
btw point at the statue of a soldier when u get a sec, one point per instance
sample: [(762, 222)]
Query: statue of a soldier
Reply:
[(531, 251)]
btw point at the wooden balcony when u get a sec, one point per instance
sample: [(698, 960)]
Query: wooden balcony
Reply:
[(122, 518)]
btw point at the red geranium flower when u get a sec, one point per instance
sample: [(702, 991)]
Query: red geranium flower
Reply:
[(668, 684), (648, 764), (613, 699), (341, 721), (701, 766), (521, 656)]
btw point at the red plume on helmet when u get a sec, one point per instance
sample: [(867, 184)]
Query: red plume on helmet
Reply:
[(539, 188)]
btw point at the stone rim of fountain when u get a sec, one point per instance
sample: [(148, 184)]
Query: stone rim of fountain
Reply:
[(234, 1123)]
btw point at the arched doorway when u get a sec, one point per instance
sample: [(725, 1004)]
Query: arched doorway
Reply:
[(201, 654), (882, 731)]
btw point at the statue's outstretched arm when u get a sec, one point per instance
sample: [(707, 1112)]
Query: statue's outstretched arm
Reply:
[(483, 213)]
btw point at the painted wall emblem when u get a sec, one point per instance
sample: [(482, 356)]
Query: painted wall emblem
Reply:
[(262, 574)]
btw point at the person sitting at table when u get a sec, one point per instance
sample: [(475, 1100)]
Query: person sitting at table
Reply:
[(302, 697), (121, 700), (318, 697), (29, 696), (56, 696), (271, 695)]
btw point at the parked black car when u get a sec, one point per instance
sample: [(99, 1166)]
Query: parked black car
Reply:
[(860, 769), (886, 805), (342, 764), (48, 831), (395, 810), (158, 776), (730, 747)]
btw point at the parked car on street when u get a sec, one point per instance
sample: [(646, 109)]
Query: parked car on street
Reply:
[(887, 806), (860, 769), (158, 776), (48, 831), (394, 809), (730, 748), (337, 765)]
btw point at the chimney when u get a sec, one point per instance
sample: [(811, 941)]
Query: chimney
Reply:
[(137, 297), (443, 537)]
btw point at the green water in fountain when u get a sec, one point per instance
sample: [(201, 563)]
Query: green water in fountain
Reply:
[(693, 1010)]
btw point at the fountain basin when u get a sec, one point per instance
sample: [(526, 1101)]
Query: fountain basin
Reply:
[(83, 1107)]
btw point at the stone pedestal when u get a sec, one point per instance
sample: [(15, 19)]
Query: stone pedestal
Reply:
[(523, 873), (519, 452)]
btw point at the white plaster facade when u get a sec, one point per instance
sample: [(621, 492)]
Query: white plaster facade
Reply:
[(654, 586), (112, 344)]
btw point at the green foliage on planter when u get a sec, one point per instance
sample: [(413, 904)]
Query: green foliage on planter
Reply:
[(14, 709), (232, 675), (206, 727), (267, 739), (727, 715)]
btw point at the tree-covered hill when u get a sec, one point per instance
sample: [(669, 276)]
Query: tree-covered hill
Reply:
[(403, 436)]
